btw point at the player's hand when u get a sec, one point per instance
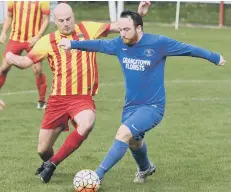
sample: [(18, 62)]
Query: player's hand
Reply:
[(10, 58), (222, 61), (2, 105), (143, 7), (32, 41), (2, 38), (65, 44)]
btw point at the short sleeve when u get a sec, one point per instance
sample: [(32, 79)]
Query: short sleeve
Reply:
[(40, 51), (95, 29), (45, 7), (10, 6)]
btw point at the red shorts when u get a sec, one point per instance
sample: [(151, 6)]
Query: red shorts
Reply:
[(17, 47), (62, 108)]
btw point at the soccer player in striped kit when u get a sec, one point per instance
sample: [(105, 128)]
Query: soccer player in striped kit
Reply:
[(75, 81), (29, 21)]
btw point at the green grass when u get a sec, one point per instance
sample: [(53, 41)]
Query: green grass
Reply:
[(191, 146)]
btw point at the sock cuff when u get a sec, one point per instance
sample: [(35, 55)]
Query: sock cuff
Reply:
[(120, 143), (2, 76), (41, 77), (53, 164), (78, 136)]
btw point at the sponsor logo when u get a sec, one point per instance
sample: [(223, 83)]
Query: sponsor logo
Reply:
[(136, 64), (149, 52)]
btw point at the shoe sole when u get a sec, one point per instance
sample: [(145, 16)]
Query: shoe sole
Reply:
[(39, 108)]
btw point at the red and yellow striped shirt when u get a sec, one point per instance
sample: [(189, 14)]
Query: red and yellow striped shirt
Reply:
[(27, 18), (74, 72)]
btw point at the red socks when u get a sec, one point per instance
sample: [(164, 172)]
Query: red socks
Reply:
[(2, 80), (72, 142), (41, 83)]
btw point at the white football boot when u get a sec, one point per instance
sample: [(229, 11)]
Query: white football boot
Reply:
[(142, 175)]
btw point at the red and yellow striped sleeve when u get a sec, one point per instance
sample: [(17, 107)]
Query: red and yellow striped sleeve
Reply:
[(95, 29), (10, 6), (40, 50), (45, 7)]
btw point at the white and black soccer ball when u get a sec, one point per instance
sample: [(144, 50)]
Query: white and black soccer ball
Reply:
[(86, 181)]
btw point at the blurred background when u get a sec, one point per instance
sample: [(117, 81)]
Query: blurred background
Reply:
[(216, 13)]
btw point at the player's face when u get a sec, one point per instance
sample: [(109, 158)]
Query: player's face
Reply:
[(65, 23), (128, 32)]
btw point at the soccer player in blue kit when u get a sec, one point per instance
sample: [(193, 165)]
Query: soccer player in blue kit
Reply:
[(142, 57)]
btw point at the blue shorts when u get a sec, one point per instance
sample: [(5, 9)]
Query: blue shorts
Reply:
[(140, 119)]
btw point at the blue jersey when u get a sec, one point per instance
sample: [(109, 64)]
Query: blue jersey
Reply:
[(143, 64)]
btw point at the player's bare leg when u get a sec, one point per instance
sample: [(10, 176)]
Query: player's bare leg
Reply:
[(85, 121), (2, 105), (41, 84), (47, 138), (139, 152), (4, 69)]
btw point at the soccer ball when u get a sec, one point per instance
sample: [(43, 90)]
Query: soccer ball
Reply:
[(86, 181)]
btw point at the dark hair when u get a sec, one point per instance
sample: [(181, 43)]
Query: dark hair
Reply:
[(137, 19)]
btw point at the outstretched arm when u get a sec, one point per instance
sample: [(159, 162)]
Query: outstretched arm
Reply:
[(176, 48), (142, 10), (21, 62), (103, 46), (38, 53)]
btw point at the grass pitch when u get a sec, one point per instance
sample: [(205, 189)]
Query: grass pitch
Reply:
[(191, 146)]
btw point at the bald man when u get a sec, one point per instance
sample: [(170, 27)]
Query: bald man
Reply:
[(75, 82)]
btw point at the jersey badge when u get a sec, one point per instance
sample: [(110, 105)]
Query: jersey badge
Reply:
[(149, 52)]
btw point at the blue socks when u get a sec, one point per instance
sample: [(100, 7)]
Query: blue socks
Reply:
[(116, 152), (141, 157)]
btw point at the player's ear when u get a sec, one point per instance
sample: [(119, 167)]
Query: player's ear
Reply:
[(139, 28)]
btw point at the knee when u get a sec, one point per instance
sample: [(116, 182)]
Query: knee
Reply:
[(85, 122), (5, 67), (135, 145), (4, 70), (84, 128), (41, 149), (37, 70), (88, 125), (124, 134)]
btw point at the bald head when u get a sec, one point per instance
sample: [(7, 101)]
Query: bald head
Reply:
[(64, 18), (62, 9)]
